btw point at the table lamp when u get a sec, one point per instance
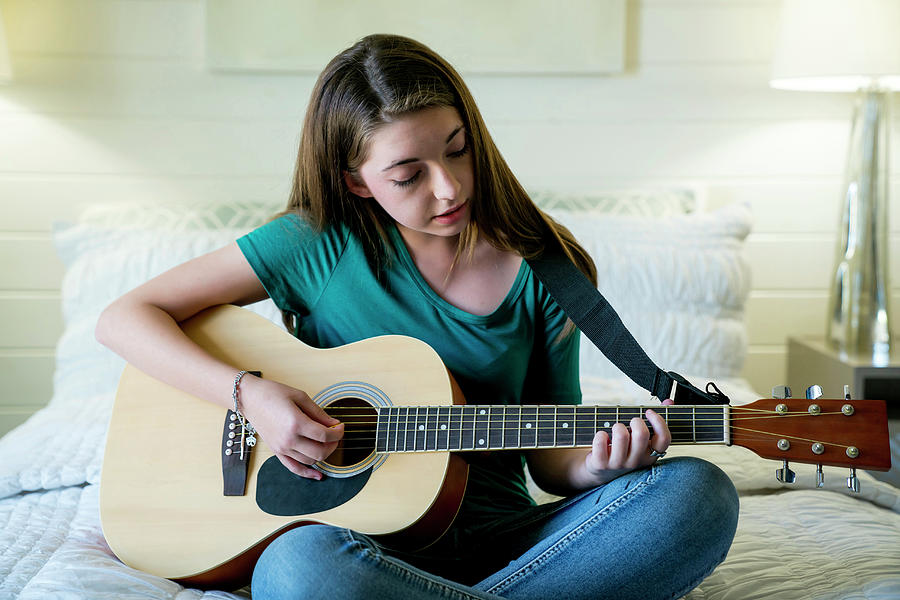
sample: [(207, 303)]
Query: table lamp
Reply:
[(851, 46)]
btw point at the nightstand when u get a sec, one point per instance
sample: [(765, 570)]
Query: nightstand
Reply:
[(811, 361)]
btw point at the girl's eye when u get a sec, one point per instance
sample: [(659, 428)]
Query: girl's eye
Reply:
[(458, 154), (461, 152), (409, 181)]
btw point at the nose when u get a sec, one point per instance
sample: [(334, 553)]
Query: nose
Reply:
[(445, 185)]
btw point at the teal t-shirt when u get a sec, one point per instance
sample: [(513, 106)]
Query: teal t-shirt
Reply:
[(510, 356)]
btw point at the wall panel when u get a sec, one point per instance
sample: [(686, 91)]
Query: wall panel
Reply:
[(112, 103)]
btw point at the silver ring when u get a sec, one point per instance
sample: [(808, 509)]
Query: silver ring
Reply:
[(656, 454)]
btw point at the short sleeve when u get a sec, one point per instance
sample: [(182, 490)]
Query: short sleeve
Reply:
[(292, 260), (553, 376)]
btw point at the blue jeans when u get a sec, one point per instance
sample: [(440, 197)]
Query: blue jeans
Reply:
[(652, 533)]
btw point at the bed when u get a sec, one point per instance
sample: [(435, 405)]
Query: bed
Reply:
[(680, 282)]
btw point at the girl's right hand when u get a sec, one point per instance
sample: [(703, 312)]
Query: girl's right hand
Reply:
[(297, 430)]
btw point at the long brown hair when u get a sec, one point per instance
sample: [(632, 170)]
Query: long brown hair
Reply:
[(376, 80)]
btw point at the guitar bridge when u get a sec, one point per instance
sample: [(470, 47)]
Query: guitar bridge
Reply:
[(235, 454)]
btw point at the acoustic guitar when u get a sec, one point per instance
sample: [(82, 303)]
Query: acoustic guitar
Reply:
[(184, 496)]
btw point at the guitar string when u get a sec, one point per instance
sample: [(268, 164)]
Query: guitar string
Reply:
[(393, 419), (761, 436)]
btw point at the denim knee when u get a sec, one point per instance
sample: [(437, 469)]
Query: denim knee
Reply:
[(300, 563), (705, 499)]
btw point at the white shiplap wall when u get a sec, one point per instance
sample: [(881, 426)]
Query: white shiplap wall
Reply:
[(111, 102)]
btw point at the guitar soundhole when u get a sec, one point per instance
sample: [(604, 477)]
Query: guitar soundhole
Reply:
[(359, 419)]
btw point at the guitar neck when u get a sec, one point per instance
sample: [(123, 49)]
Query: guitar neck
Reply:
[(498, 427)]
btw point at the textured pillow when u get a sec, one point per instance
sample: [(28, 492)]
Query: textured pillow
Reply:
[(679, 283), (102, 264), (638, 203)]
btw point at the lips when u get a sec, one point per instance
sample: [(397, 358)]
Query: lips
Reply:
[(451, 211)]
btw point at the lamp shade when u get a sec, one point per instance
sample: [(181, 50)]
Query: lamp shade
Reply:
[(837, 45), (5, 64)]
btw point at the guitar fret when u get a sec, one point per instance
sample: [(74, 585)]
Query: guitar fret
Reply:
[(380, 445), (390, 443), (443, 434), (528, 427), (555, 421), (546, 418), (431, 428), (585, 425), (512, 421), (408, 432), (397, 430), (420, 429), (479, 439), (495, 426), (454, 437), (565, 426), (694, 423)]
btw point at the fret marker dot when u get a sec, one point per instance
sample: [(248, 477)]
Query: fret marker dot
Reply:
[(527, 425), (482, 412), (443, 427), (606, 424), (565, 425), (481, 442), (421, 428)]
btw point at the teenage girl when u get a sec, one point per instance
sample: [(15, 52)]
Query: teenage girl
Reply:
[(404, 218)]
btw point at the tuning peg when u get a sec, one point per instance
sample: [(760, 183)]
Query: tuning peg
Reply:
[(813, 392), (781, 392), (785, 475), (820, 477), (853, 481), (846, 392)]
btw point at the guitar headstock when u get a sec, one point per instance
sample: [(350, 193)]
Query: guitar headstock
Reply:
[(842, 433)]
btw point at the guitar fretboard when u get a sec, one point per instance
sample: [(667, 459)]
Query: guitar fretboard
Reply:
[(498, 427)]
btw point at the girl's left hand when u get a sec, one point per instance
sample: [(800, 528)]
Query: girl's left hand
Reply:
[(627, 451)]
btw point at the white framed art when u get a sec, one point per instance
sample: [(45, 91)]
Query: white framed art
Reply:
[(477, 36)]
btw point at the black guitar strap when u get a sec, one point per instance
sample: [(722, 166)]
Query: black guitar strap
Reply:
[(596, 318)]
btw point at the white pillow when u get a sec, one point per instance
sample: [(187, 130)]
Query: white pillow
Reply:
[(102, 264), (679, 282)]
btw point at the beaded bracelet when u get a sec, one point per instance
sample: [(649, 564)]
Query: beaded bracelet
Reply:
[(245, 424)]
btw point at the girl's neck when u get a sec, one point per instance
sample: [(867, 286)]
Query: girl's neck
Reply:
[(428, 246), (477, 284)]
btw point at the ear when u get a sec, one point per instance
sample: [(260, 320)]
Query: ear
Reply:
[(356, 187)]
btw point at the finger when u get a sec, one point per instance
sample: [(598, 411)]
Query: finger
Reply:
[(299, 468), (619, 446), (640, 439), (321, 433), (668, 402), (316, 412), (315, 451), (600, 450), (662, 437)]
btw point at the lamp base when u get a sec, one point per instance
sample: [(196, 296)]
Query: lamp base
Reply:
[(858, 312)]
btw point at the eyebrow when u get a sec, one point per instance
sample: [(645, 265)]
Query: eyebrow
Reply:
[(412, 160)]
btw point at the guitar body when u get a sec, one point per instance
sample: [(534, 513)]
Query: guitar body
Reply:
[(161, 497)]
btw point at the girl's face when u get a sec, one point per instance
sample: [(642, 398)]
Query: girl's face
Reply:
[(419, 170)]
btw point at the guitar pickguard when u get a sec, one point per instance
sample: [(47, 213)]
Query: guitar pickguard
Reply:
[(280, 492)]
